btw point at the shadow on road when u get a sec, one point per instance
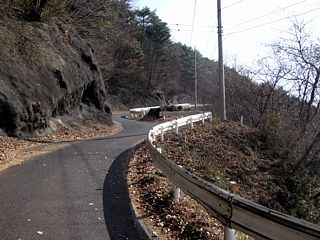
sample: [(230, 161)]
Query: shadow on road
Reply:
[(119, 218)]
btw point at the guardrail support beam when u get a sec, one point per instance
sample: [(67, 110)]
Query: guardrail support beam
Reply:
[(162, 134), (176, 194), (229, 233), (191, 123), (177, 128)]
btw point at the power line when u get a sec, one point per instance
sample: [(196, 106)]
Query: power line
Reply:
[(278, 20), (193, 19), (208, 41), (232, 4), (267, 14), (190, 25), (313, 19), (254, 27), (205, 42), (237, 25), (189, 30)]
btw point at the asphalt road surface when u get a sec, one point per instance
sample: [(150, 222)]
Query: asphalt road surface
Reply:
[(78, 192)]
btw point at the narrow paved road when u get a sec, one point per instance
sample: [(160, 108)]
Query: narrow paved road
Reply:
[(78, 192)]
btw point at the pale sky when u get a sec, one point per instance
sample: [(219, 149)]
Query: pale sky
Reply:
[(247, 24)]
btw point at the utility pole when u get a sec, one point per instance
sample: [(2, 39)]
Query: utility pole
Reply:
[(195, 79), (195, 56), (222, 94)]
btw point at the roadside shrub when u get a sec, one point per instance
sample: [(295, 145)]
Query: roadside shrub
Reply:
[(308, 204), (280, 139)]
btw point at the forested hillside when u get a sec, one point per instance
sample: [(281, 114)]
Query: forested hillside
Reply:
[(81, 59)]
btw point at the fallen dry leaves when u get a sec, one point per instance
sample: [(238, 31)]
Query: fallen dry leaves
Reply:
[(221, 152), (218, 152), (152, 197)]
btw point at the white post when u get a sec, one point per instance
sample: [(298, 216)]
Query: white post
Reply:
[(177, 128), (162, 134), (202, 118), (228, 233), (191, 122), (176, 194), (241, 121), (152, 136)]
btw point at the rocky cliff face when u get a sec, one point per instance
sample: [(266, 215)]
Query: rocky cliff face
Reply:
[(46, 70)]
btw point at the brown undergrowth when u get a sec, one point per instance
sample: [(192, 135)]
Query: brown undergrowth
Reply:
[(221, 152), (152, 199), (218, 152)]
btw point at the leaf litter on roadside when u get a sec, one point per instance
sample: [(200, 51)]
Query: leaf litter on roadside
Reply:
[(152, 195), (218, 152)]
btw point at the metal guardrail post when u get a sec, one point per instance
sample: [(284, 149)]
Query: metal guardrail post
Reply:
[(191, 122), (229, 233), (177, 128), (162, 134), (176, 194)]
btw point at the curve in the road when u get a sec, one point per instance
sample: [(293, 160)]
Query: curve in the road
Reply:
[(79, 192)]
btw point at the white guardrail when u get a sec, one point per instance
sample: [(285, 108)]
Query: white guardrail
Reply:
[(232, 211), (143, 111)]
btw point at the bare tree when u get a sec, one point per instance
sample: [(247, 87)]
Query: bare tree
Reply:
[(298, 57), (296, 62)]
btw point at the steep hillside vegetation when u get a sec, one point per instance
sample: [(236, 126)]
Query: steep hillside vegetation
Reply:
[(221, 152), (81, 59)]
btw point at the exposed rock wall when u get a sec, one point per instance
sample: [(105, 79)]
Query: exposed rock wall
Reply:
[(46, 70)]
